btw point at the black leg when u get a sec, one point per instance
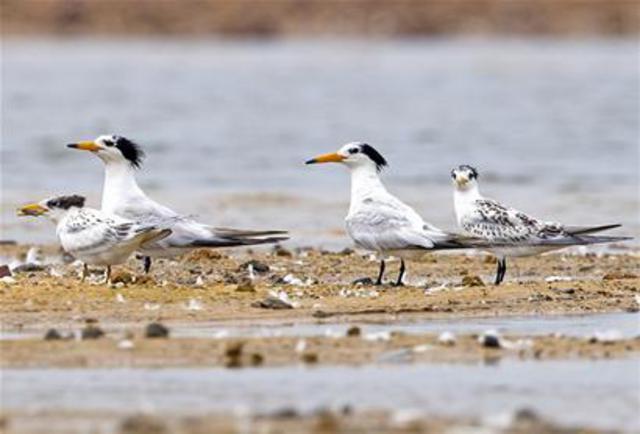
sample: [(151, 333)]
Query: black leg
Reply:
[(401, 274), (146, 260), (499, 272), (502, 270), (379, 281)]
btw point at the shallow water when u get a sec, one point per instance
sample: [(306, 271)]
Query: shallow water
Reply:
[(600, 394), (625, 325), (552, 125)]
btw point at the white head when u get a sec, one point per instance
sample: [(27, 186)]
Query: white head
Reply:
[(465, 178), (112, 149), (55, 208), (353, 155)]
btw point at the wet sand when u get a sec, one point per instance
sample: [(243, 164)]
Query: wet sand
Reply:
[(231, 288), (207, 286)]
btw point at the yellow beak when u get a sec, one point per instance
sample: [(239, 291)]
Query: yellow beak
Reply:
[(333, 157), (33, 209), (86, 145)]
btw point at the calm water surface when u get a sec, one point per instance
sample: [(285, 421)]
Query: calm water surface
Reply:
[(553, 126)]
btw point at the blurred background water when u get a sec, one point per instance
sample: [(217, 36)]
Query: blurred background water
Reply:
[(552, 125)]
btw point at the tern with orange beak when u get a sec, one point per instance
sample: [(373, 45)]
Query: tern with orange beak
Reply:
[(95, 237), (378, 221), (509, 231), (122, 196)]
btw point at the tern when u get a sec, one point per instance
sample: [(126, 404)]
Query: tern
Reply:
[(378, 221), (123, 197), (511, 232), (95, 237)]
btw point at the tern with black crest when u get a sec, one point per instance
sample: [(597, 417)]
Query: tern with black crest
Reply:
[(511, 232), (378, 221), (122, 196)]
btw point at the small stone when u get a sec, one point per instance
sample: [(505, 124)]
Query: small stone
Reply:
[(364, 281), (257, 359), (28, 268), (123, 277), (233, 354), (125, 344), (5, 271), (52, 335), (92, 332), (310, 358), (258, 267), (156, 330), (282, 252), (272, 302), (472, 281), (245, 285), (617, 275), (8, 280), (142, 424), (447, 338), (490, 339), (354, 331)]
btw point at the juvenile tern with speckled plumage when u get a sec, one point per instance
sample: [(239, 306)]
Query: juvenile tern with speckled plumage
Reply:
[(95, 237), (511, 232), (123, 197)]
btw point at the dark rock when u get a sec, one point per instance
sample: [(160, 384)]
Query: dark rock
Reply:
[(257, 359), (321, 314), (233, 354), (354, 331), (245, 285), (272, 303), (140, 424), (310, 358), (282, 252), (4, 271), (286, 413), (156, 330), (28, 268), (364, 281), (52, 335), (92, 332), (472, 281), (258, 267), (489, 340)]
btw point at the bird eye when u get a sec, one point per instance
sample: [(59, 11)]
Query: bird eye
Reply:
[(354, 150), (108, 143)]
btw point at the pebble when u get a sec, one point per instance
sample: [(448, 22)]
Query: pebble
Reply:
[(156, 330), (28, 268), (354, 331), (125, 344), (5, 271), (490, 339), (447, 338), (472, 281), (245, 285), (92, 332), (52, 335), (193, 304), (8, 280), (278, 300), (258, 267)]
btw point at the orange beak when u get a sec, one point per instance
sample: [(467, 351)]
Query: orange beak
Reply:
[(33, 209), (333, 157), (87, 145)]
